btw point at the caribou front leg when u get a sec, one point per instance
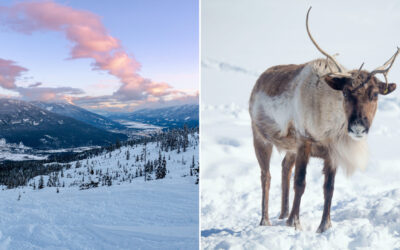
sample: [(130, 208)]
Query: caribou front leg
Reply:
[(263, 152), (302, 157), (287, 165), (329, 172)]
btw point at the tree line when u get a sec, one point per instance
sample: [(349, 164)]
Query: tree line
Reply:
[(18, 173)]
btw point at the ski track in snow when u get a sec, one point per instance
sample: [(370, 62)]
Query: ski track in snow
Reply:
[(365, 207), (146, 215)]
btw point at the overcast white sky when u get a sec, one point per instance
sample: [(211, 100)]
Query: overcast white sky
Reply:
[(258, 34)]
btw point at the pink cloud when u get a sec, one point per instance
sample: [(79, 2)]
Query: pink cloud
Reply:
[(48, 94), (120, 101), (9, 71), (110, 103), (90, 39)]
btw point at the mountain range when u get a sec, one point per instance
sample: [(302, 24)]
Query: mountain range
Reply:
[(39, 128), (46, 125), (168, 117), (79, 114)]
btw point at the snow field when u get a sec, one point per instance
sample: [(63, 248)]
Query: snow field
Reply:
[(160, 214), (365, 209), (130, 214)]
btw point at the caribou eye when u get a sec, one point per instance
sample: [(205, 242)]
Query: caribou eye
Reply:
[(346, 93), (374, 96)]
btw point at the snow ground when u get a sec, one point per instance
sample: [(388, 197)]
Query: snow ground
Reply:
[(130, 214), (365, 209), (160, 214), (240, 40)]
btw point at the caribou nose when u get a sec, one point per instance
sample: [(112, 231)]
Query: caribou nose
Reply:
[(357, 131)]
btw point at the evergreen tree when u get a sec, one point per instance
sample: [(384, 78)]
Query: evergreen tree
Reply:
[(109, 181), (161, 170), (192, 167), (159, 162), (185, 138), (117, 144), (41, 182)]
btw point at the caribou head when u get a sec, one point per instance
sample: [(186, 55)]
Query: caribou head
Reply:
[(360, 90)]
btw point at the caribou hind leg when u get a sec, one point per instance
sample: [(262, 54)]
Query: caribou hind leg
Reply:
[(329, 172), (263, 152), (302, 157), (287, 166)]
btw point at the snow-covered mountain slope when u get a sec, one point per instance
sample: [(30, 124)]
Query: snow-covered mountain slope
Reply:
[(143, 215), (124, 211), (125, 164), (39, 128), (79, 114), (170, 117)]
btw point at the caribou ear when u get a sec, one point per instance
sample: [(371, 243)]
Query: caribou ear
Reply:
[(337, 83), (385, 89)]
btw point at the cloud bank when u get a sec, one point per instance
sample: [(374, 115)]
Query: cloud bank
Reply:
[(9, 71)]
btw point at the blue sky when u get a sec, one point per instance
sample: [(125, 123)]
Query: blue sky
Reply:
[(161, 35)]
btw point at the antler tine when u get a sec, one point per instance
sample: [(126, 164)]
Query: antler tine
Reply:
[(359, 71), (319, 48), (384, 69)]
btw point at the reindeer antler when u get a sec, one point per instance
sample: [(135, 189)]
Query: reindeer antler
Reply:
[(358, 72), (384, 69), (340, 73)]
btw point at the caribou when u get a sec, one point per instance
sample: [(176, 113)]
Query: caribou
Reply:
[(316, 109)]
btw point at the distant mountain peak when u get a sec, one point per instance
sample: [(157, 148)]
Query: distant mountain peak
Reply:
[(172, 116), (79, 114)]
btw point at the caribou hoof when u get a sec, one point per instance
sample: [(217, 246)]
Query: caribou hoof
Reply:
[(324, 226), (284, 215), (294, 222), (265, 222)]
